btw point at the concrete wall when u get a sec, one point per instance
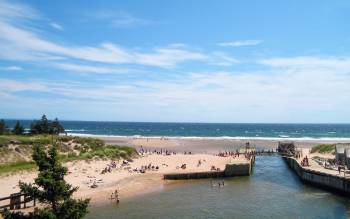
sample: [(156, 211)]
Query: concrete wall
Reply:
[(231, 169), (194, 175), (324, 180)]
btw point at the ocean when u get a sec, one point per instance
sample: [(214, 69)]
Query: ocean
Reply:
[(206, 130)]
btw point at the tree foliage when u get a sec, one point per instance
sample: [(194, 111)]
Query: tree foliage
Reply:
[(51, 189), (45, 126), (2, 127), (18, 129)]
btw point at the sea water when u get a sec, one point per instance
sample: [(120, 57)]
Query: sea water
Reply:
[(206, 130)]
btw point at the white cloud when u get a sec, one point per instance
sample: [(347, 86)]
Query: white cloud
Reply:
[(241, 43), (56, 26), (168, 57), (118, 18), (9, 86), (90, 69), (223, 59), (20, 44), (12, 68), (10, 11), (274, 95), (335, 63)]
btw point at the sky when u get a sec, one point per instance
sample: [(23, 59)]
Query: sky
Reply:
[(176, 61)]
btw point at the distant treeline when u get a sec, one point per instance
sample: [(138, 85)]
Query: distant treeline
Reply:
[(42, 126)]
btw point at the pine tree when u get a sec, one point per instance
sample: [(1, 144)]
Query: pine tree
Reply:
[(18, 129), (56, 127), (44, 124), (2, 127), (51, 188)]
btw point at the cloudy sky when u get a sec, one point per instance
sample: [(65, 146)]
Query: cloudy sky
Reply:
[(182, 61)]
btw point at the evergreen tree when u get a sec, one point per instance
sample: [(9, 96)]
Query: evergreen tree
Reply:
[(56, 127), (51, 188), (2, 127), (18, 129), (44, 124)]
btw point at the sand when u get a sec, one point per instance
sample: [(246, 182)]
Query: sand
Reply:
[(207, 145), (129, 183)]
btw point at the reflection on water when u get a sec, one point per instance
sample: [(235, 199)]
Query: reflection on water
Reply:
[(273, 191)]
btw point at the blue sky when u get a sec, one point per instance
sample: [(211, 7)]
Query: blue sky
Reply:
[(182, 61)]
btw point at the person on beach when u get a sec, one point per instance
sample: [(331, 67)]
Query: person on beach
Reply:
[(116, 196)]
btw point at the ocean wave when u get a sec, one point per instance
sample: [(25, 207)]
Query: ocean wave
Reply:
[(337, 139), (75, 130)]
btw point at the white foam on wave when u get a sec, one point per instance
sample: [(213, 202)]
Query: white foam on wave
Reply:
[(75, 130), (215, 138)]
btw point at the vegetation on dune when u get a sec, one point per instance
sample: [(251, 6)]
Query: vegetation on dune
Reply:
[(323, 148), (51, 189), (17, 166), (16, 147), (70, 148)]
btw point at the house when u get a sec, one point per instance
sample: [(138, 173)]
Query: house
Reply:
[(286, 148), (342, 154)]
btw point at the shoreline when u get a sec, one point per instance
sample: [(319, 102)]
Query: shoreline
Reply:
[(206, 146), (242, 138)]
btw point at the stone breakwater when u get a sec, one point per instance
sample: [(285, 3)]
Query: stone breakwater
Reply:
[(231, 169), (320, 179)]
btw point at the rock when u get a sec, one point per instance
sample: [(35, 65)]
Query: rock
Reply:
[(14, 142)]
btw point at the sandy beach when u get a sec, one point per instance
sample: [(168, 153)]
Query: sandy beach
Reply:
[(208, 145), (124, 178)]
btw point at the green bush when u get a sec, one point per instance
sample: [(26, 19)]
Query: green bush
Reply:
[(323, 148)]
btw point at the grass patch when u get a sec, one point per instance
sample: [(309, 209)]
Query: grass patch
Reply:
[(17, 166), (87, 148), (323, 148)]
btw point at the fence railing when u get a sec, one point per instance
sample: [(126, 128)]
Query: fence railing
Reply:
[(15, 201)]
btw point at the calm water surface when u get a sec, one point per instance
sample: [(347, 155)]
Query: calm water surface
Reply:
[(273, 191)]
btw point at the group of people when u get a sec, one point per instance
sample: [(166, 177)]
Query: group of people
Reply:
[(143, 151), (109, 167), (220, 183), (115, 196), (305, 162), (145, 168), (213, 168), (200, 162), (229, 154)]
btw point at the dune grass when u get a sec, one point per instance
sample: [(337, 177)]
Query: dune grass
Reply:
[(323, 148), (17, 166), (89, 148)]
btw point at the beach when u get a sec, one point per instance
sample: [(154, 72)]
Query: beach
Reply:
[(127, 179), (210, 144), (123, 177)]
